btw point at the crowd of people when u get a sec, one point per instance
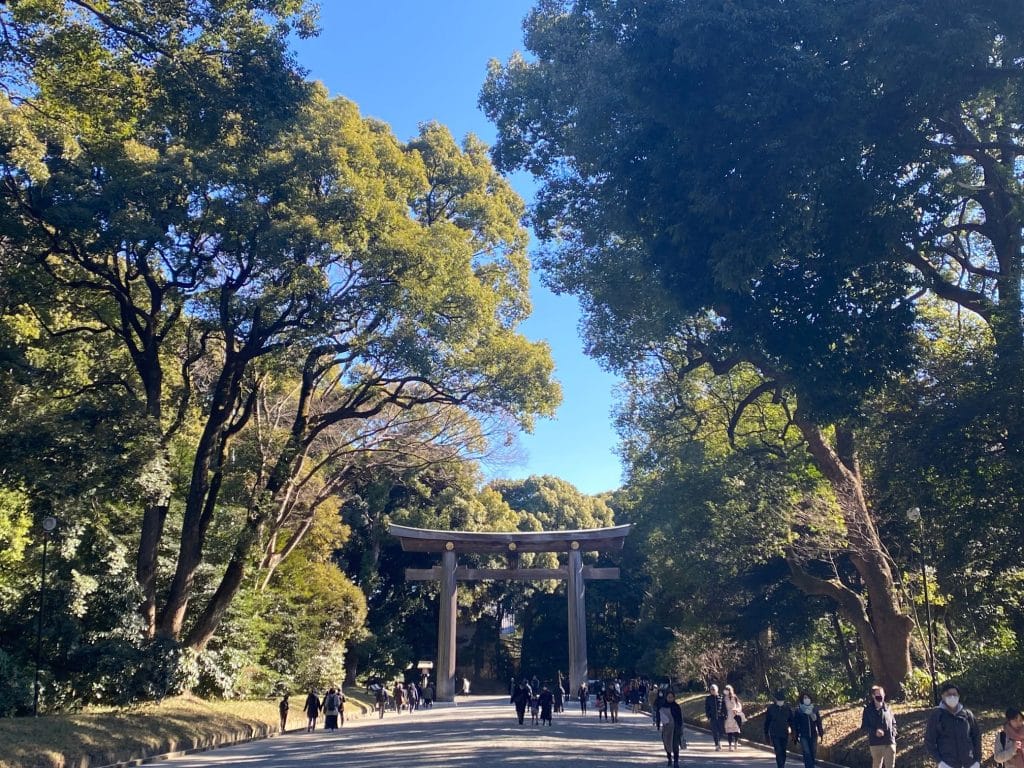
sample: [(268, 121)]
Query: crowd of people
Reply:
[(544, 699), (952, 737)]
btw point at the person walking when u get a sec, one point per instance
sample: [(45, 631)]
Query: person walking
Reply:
[(399, 694), (283, 708), (807, 728), (656, 704), (582, 694), (952, 736), (428, 695), (879, 724), (312, 710), (521, 698), (734, 717), (714, 710), (1009, 746), (778, 720), (601, 702), (559, 695), (613, 695), (547, 703), (672, 728), (382, 700), (332, 705)]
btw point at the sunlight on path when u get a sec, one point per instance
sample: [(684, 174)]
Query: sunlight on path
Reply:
[(481, 731)]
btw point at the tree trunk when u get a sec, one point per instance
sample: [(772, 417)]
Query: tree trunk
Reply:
[(200, 501), (884, 630)]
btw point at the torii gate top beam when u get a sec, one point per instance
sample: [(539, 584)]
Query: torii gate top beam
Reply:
[(588, 540)]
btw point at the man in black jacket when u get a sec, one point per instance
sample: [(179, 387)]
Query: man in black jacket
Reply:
[(714, 709), (952, 736), (521, 697), (778, 721), (879, 724)]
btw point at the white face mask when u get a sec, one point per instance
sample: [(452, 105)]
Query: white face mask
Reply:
[(951, 701)]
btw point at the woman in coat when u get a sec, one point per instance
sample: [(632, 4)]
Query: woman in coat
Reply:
[(733, 717), (807, 728), (672, 728), (312, 710)]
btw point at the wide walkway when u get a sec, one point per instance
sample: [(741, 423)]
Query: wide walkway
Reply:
[(481, 732)]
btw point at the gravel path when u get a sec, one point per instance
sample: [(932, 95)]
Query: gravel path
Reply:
[(481, 731)]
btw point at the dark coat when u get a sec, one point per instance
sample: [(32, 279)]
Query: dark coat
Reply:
[(547, 700), (953, 737), (714, 707), (312, 708), (875, 718), (777, 722), (521, 696), (805, 725)]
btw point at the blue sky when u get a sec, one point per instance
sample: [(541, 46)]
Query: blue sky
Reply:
[(410, 61)]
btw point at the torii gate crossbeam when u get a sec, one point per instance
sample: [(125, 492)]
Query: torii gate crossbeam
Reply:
[(511, 543)]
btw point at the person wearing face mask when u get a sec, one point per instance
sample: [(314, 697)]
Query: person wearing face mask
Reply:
[(807, 728), (879, 724), (952, 736), (777, 723), (1009, 750), (672, 728), (714, 710)]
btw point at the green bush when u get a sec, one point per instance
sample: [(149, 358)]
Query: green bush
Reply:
[(15, 687)]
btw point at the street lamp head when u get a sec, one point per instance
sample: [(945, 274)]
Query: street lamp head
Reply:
[(49, 523), (914, 514)]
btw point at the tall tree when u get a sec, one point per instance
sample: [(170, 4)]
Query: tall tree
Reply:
[(776, 168), (224, 222)]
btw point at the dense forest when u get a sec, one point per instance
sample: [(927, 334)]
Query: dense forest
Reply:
[(243, 328)]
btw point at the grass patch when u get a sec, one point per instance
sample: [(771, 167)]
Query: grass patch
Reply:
[(100, 738)]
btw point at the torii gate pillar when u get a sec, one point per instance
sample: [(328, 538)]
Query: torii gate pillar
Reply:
[(576, 587), (445, 690)]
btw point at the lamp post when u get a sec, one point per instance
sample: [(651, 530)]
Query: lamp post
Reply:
[(49, 523), (914, 516)]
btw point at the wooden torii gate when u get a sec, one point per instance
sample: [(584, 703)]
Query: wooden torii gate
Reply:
[(511, 543)]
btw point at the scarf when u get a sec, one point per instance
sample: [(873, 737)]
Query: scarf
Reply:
[(808, 709)]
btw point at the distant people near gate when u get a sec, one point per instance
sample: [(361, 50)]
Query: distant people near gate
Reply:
[(734, 717), (581, 695), (601, 702), (879, 724), (312, 710), (399, 695), (559, 695), (612, 696), (520, 699), (952, 736), (547, 703), (535, 706), (714, 710), (428, 695)]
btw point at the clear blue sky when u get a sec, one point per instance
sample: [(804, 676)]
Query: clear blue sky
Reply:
[(410, 61)]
